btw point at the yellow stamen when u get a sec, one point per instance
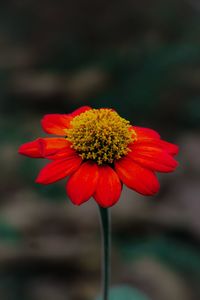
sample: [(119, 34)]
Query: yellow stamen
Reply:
[(100, 135)]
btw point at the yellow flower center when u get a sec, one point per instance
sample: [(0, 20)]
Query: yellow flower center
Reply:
[(100, 135)]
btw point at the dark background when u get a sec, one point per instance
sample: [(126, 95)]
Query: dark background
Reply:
[(141, 58)]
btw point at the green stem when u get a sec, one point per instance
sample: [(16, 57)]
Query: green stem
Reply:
[(105, 225)]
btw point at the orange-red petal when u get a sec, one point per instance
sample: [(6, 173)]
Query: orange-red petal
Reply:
[(58, 169), (31, 149), (159, 161), (108, 188), (170, 148), (80, 110), (136, 177), (62, 154), (152, 154), (56, 123), (82, 184), (56, 148), (47, 148), (145, 133)]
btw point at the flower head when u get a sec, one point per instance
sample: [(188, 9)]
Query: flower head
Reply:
[(100, 151)]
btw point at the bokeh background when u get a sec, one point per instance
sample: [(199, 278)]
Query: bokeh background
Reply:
[(141, 58)]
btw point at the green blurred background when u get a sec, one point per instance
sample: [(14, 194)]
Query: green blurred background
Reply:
[(141, 58)]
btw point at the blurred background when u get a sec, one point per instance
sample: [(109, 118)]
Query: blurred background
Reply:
[(141, 58)]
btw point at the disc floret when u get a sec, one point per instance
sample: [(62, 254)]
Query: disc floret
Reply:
[(100, 135)]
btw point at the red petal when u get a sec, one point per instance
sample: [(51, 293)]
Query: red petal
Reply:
[(172, 149), (146, 145), (157, 161), (136, 177), (47, 148), (80, 110), (108, 188), (31, 149), (152, 154), (62, 154), (154, 137), (58, 169), (56, 123), (56, 148), (169, 147), (82, 184), (145, 133)]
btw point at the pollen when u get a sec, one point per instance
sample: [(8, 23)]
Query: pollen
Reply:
[(100, 135)]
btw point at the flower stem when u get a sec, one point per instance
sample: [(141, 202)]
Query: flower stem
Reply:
[(105, 226)]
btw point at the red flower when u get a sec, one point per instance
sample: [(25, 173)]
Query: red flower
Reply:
[(100, 151)]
